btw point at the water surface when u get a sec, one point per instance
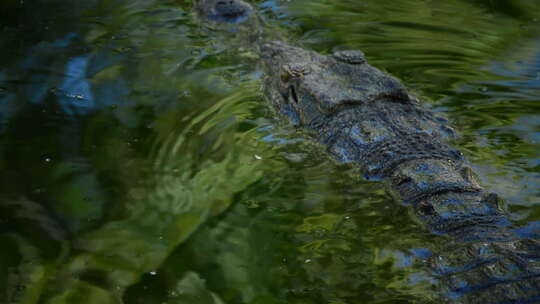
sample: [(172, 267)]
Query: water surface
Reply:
[(140, 163)]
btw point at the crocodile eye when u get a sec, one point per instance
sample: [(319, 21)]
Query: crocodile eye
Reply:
[(285, 76), (350, 57), (293, 71)]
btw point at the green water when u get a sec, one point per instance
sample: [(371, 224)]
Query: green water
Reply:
[(140, 163)]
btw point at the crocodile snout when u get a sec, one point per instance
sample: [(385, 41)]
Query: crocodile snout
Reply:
[(227, 11), (276, 54), (274, 48), (230, 8)]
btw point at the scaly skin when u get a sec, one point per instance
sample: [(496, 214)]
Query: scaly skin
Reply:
[(368, 119)]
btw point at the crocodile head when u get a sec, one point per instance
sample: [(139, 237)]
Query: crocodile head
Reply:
[(305, 86), (229, 11)]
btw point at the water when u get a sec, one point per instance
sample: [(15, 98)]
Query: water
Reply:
[(140, 162)]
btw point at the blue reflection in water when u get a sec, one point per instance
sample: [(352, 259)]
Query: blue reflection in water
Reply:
[(77, 97)]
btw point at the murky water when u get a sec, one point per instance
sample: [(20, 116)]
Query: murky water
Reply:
[(140, 162)]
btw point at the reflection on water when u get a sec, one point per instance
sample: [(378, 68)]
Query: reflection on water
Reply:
[(140, 164)]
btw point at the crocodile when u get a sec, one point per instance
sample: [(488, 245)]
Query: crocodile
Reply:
[(368, 120), (227, 11)]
